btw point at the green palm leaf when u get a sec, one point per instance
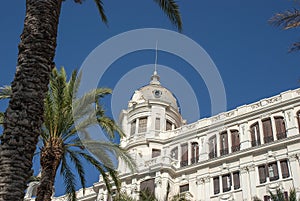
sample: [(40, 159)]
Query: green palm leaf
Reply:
[(1, 118), (5, 92)]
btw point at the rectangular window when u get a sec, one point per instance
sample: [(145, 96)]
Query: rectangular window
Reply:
[(132, 129), (142, 124), (235, 140), (267, 128), (236, 180), (223, 143), (216, 185), (157, 124), (156, 153), (195, 152), (212, 147), (280, 128), (284, 169), (184, 188), (273, 171), (262, 174), (168, 125), (255, 135), (148, 185), (226, 182), (184, 155)]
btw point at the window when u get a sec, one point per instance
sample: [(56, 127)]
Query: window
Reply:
[(262, 174), (255, 136), (184, 188), (280, 128), (174, 153), (216, 185), (155, 152), (148, 185), (142, 124), (212, 147), (223, 143), (184, 155), (235, 140), (236, 180), (195, 152), (284, 169), (168, 125), (157, 124), (267, 128), (273, 171), (226, 182), (132, 129)]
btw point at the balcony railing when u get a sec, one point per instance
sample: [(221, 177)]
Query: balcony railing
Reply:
[(236, 186), (268, 139), (274, 178), (281, 135), (236, 148), (212, 154), (194, 160), (216, 191), (255, 143), (285, 175), (224, 151), (226, 189), (183, 163)]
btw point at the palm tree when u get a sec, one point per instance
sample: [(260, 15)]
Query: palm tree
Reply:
[(287, 20), (61, 143), (279, 196), (24, 115)]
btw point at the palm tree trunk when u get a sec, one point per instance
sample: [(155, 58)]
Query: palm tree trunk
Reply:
[(50, 159), (24, 115)]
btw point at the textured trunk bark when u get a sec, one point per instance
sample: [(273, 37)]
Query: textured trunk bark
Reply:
[(24, 115), (51, 156)]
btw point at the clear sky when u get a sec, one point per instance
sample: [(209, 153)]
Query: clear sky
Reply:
[(251, 56)]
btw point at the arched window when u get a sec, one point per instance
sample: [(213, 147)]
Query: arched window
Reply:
[(142, 124), (255, 136), (223, 143), (280, 128), (168, 125), (184, 155), (212, 147), (132, 129), (235, 140), (268, 132), (194, 152)]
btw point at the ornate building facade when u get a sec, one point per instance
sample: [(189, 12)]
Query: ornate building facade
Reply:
[(236, 155)]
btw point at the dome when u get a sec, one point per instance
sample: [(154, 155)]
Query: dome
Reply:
[(155, 92)]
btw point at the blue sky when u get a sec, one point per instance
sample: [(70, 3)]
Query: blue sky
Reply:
[(251, 56)]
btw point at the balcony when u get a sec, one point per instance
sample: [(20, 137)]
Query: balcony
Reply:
[(194, 160), (212, 154), (281, 135), (183, 163), (268, 139), (255, 143), (236, 148), (224, 151)]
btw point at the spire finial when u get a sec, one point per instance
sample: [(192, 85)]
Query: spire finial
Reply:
[(155, 77)]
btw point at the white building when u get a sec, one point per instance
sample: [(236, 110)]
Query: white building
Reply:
[(235, 155)]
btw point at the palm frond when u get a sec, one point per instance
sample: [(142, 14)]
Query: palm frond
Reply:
[(69, 180), (295, 47), (171, 9), (293, 195), (100, 7), (286, 20), (5, 92), (78, 167)]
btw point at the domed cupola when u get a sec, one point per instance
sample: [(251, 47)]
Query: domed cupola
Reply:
[(152, 109)]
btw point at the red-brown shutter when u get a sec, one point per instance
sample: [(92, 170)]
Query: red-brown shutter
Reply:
[(298, 118), (262, 174), (275, 168), (184, 155), (216, 185), (267, 129), (284, 169), (235, 140), (148, 185), (236, 180), (256, 141), (280, 128)]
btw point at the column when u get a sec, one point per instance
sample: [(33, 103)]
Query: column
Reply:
[(274, 128), (252, 180), (295, 172), (207, 188), (189, 148), (261, 132), (200, 182), (136, 127), (244, 136), (291, 124), (245, 183), (229, 141)]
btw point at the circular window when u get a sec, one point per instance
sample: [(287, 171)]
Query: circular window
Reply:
[(157, 93)]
